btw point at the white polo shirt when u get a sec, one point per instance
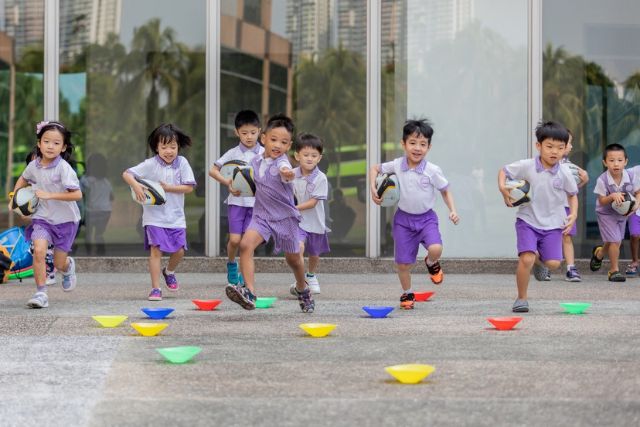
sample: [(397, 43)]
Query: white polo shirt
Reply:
[(171, 214), (549, 187), (418, 186), (305, 188), (241, 152), (57, 177)]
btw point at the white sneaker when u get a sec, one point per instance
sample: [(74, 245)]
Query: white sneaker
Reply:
[(51, 279), (38, 300), (69, 277), (313, 283), (292, 290)]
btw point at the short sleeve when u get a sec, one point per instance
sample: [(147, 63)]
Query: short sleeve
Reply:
[(635, 171), (387, 167), (516, 170), (283, 162), (142, 170), (69, 178), (27, 174), (320, 188), (600, 187), (186, 173), (438, 179), (570, 186), (225, 158)]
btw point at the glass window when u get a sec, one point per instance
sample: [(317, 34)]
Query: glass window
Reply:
[(21, 90), (464, 67), (591, 69), (308, 61), (125, 67)]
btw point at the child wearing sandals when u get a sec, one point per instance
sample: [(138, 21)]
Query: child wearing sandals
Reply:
[(165, 227), (274, 215), (610, 188)]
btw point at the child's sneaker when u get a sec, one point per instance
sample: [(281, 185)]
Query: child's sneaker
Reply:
[(155, 295), (233, 278), (632, 270), (573, 275), (51, 279), (520, 306), (69, 277), (407, 300), (38, 300), (241, 295), (307, 304), (50, 268), (435, 271), (170, 280), (595, 263), (541, 273), (312, 281), (616, 276)]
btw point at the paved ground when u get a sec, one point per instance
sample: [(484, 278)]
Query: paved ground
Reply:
[(257, 368)]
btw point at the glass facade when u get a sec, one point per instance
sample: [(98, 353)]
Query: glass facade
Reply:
[(469, 66)]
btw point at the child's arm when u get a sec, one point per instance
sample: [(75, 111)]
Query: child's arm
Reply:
[(573, 213), (584, 177), (214, 173), (309, 204), (180, 188), (613, 197), (287, 174), (135, 185), (502, 178), (373, 174), (20, 183), (67, 196), (448, 200)]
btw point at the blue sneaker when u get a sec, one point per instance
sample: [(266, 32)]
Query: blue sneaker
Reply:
[(232, 273), (69, 277)]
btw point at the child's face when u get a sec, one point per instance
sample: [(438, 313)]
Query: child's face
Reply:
[(308, 157), (415, 147), (51, 144), (276, 141), (248, 135), (168, 150), (551, 151), (615, 162)]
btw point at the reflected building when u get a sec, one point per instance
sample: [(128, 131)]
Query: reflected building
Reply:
[(24, 22)]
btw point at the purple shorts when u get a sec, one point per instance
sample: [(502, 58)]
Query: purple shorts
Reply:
[(168, 240), (239, 218), (574, 229), (612, 227), (634, 225), (548, 243), (410, 230), (314, 244), (61, 236), (284, 233)]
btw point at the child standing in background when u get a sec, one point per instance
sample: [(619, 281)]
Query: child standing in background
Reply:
[(274, 215), (239, 209), (98, 195), (415, 222), (311, 187), (55, 221), (165, 227)]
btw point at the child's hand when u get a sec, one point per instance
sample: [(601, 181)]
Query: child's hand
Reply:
[(374, 196), (617, 197), (233, 191), (139, 191), (44, 195), (507, 197), (568, 224), (287, 174), (453, 216)]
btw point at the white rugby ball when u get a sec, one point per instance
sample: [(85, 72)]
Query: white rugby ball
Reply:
[(154, 194), (388, 189), (243, 181), (625, 207), (228, 167), (24, 201), (519, 191)]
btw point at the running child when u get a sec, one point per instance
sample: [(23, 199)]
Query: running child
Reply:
[(610, 187), (541, 223), (165, 227), (55, 221), (415, 222), (310, 188), (274, 215), (239, 209)]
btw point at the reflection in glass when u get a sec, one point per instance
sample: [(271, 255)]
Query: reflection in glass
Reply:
[(125, 67), (306, 59), (591, 72)]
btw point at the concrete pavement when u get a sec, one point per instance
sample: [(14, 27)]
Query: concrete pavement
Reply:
[(257, 368)]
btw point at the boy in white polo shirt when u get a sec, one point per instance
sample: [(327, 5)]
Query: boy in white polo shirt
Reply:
[(541, 223), (415, 222), (240, 209)]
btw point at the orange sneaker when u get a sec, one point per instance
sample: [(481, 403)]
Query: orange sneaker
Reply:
[(435, 271), (406, 301)]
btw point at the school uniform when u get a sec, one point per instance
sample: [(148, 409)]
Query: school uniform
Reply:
[(313, 231), (611, 224)]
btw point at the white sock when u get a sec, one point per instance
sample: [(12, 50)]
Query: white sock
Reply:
[(569, 266), (166, 270), (430, 263), (408, 291)]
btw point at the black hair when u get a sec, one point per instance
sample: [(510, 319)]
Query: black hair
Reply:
[(31, 155), (551, 130), (167, 132), (280, 121), (66, 138), (613, 147), (421, 127), (246, 117), (97, 165), (308, 140)]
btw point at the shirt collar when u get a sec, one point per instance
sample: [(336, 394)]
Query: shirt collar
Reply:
[(244, 148), (175, 164), (539, 167), (311, 177), (53, 163), (625, 178), (404, 167)]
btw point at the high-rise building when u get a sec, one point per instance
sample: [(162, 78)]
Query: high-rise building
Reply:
[(308, 27), (24, 22)]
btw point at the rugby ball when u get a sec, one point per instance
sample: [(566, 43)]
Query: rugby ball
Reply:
[(228, 167), (24, 201), (519, 191), (625, 207), (575, 171), (243, 181), (387, 189), (153, 193)]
